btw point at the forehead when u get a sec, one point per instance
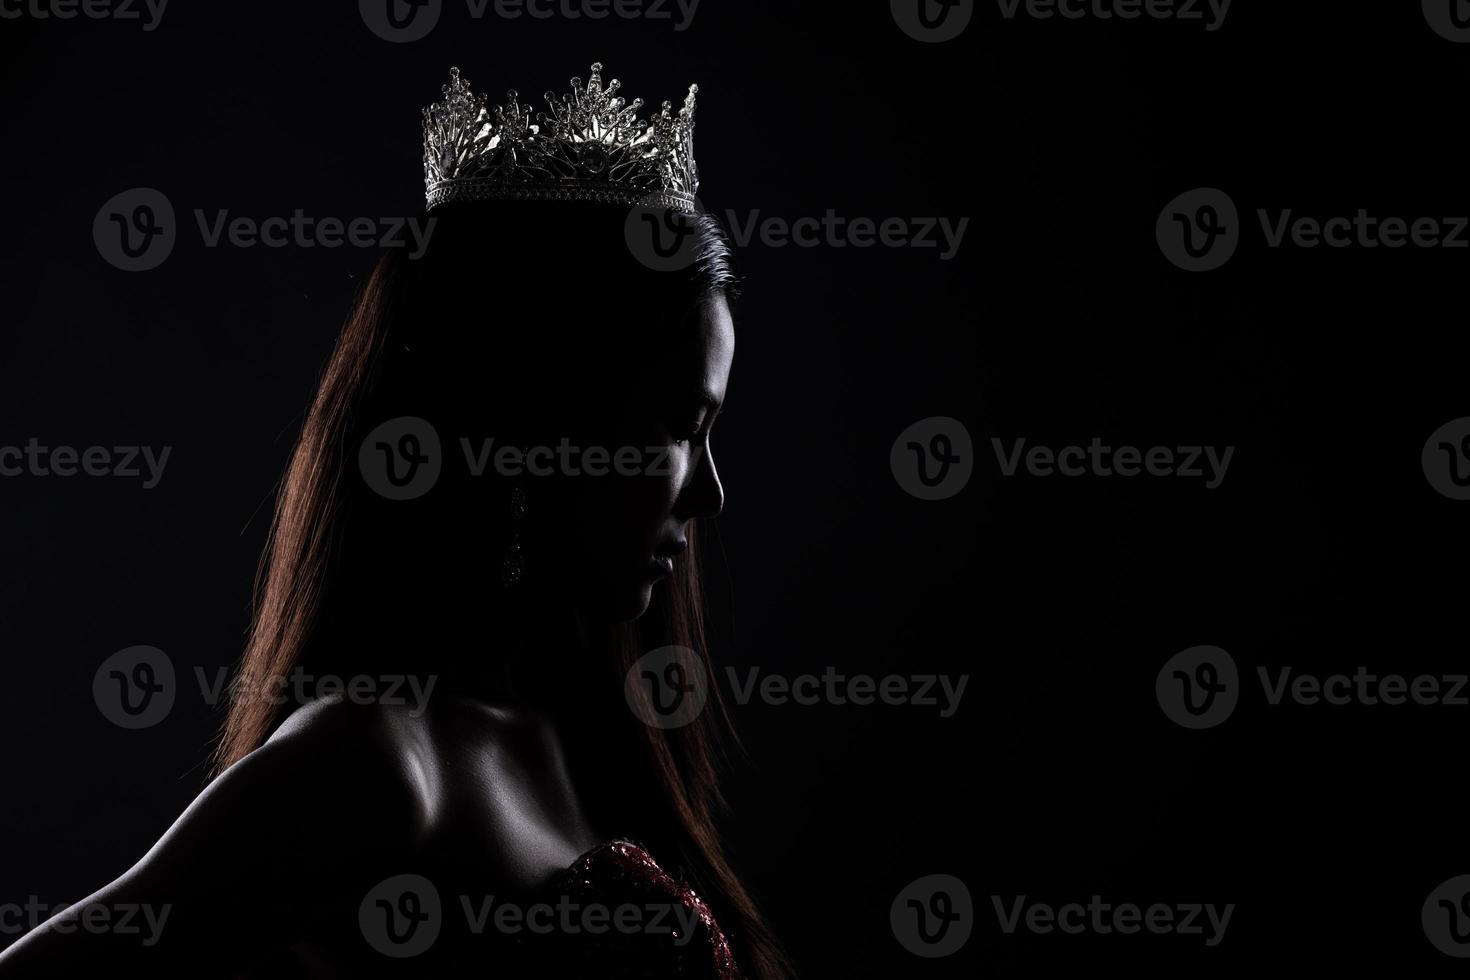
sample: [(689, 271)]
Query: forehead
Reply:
[(706, 347)]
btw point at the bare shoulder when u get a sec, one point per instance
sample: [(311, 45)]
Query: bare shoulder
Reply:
[(340, 757), (367, 739), (340, 790), (335, 784)]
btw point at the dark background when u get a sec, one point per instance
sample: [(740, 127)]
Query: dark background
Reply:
[(1060, 777)]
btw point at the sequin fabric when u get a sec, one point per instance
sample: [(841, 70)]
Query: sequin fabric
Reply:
[(621, 871)]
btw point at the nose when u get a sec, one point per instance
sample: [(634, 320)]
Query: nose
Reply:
[(703, 496)]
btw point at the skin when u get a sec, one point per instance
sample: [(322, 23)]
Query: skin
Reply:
[(605, 554), (472, 793)]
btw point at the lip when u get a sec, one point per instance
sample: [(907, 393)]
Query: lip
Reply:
[(663, 558)]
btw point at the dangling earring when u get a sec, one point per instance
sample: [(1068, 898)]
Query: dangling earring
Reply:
[(514, 565)]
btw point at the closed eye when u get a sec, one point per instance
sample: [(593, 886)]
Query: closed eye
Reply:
[(698, 424)]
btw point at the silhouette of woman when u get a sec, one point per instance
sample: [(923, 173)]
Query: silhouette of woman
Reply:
[(496, 493)]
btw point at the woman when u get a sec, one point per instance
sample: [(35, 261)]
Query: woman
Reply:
[(495, 494)]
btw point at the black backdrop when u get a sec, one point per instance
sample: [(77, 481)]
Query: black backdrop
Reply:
[(1325, 547)]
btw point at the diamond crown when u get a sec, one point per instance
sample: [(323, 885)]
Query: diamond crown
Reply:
[(593, 147)]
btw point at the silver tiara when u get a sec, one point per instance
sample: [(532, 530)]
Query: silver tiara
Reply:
[(592, 148)]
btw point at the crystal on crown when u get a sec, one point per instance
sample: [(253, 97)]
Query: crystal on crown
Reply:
[(593, 147)]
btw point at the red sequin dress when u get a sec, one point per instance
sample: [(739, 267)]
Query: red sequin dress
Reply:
[(688, 943)]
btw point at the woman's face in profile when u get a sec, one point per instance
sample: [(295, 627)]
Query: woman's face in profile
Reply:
[(625, 530)]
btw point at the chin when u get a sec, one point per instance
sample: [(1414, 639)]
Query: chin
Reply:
[(624, 605), (638, 603)]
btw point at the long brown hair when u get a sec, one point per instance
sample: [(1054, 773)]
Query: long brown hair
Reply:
[(411, 333)]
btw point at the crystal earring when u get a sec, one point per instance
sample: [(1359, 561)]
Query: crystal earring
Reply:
[(513, 567)]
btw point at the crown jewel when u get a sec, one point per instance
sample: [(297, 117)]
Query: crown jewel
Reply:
[(593, 147)]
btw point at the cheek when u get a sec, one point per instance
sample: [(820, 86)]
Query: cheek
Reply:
[(644, 499), (670, 469), (640, 488), (621, 516)]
